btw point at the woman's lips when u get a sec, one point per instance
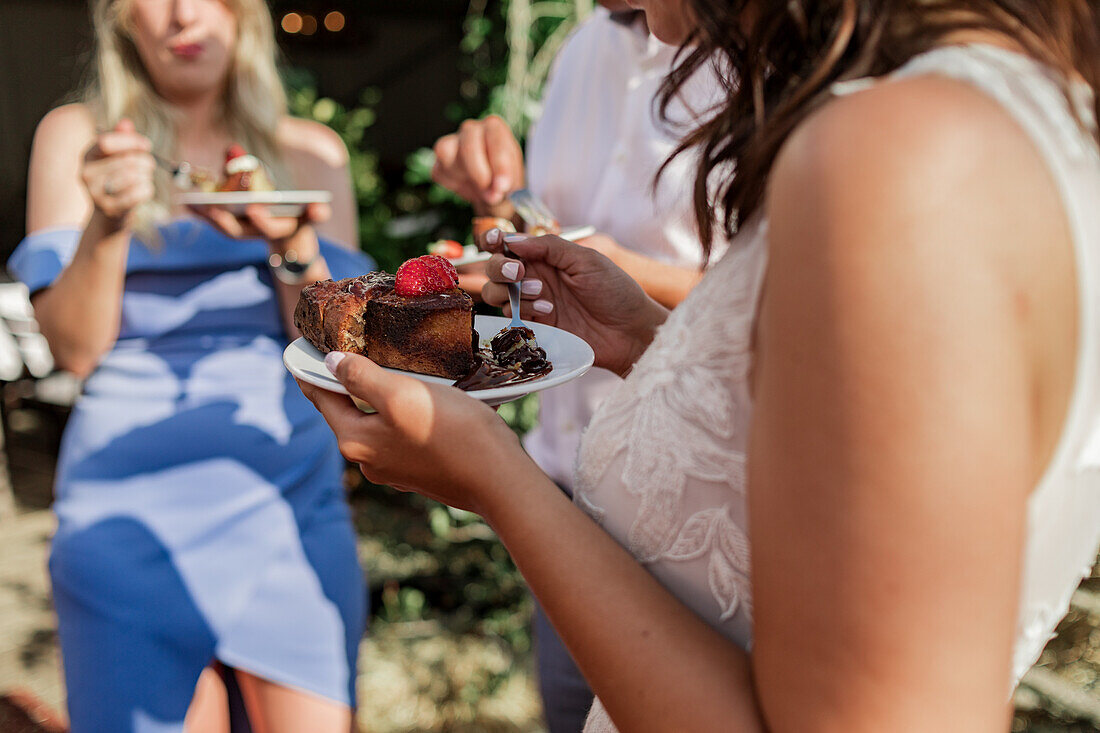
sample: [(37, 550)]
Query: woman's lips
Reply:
[(187, 50)]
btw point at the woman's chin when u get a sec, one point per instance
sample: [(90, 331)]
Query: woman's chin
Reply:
[(189, 84), (671, 31)]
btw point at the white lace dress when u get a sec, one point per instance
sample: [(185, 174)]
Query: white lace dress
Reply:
[(662, 465)]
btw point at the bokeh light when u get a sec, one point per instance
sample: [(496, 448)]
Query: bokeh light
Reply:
[(334, 21), (292, 23), (309, 25)]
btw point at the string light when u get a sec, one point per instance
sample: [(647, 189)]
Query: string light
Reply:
[(292, 22), (309, 25), (334, 21)]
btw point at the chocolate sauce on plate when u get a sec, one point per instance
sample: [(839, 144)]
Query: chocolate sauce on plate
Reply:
[(512, 356)]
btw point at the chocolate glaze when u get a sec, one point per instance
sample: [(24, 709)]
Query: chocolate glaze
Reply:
[(513, 356)]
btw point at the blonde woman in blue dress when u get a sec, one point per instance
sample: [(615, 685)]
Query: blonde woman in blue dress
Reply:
[(852, 481), (201, 517)]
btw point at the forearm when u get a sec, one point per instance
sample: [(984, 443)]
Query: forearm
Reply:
[(79, 314), (287, 294), (643, 330), (654, 664), (667, 284)]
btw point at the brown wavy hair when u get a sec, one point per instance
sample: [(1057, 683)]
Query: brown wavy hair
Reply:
[(778, 68)]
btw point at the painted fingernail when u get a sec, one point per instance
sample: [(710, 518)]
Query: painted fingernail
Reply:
[(493, 236), (515, 237), (542, 306), (333, 359), (530, 287), (510, 270)]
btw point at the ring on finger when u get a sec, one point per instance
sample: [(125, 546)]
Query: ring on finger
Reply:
[(109, 187)]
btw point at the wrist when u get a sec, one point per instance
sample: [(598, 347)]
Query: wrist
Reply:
[(102, 225), (512, 486), (290, 268), (303, 242), (293, 259), (644, 330)]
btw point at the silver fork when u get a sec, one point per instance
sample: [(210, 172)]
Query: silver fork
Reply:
[(513, 293), (180, 172), (533, 210)]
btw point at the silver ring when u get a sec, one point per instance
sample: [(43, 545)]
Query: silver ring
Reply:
[(109, 189)]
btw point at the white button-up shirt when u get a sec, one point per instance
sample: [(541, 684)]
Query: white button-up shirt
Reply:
[(592, 157)]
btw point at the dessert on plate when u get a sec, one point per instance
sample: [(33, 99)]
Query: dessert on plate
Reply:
[(450, 249), (483, 224), (241, 172), (244, 172), (418, 320)]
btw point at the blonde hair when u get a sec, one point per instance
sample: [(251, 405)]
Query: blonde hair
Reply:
[(119, 86)]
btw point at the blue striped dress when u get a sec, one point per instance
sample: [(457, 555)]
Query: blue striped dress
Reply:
[(199, 501)]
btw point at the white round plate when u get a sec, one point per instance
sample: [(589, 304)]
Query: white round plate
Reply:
[(570, 355), (470, 259), (575, 233), (281, 203), (572, 234)]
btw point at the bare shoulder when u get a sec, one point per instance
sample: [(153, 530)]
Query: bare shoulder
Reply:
[(55, 193), (924, 212), (69, 126), (311, 145), (318, 159), (920, 144), (917, 173)]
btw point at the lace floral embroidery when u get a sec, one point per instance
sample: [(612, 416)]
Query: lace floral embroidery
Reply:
[(678, 419), (712, 532)]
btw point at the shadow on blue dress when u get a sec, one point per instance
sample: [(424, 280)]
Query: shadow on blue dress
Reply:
[(119, 665)]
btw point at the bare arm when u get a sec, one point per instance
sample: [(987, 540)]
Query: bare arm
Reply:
[(79, 179), (665, 283), (893, 444), (644, 653)]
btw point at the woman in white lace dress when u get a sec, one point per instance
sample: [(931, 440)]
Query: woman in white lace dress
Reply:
[(890, 382)]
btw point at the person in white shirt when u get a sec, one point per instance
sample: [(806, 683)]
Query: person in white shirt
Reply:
[(592, 157)]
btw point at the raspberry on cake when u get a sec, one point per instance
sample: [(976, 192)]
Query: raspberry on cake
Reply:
[(244, 172)]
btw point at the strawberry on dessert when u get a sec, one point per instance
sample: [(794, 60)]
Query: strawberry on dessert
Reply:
[(448, 248), (425, 275), (244, 172)]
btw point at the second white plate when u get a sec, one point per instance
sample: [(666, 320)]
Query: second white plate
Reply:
[(280, 203), (572, 234)]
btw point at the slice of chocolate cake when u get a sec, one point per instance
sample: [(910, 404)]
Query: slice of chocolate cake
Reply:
[(309, 313), (428, 334)]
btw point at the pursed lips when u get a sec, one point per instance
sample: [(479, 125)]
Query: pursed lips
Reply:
[(186, 50)]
